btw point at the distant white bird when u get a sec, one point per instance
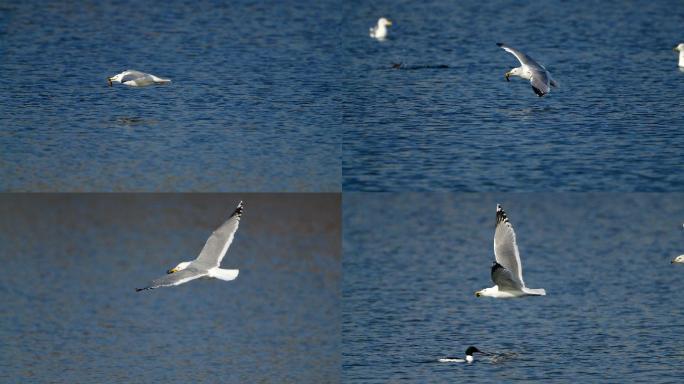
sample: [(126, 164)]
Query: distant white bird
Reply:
[(507, 269), (380, 30), (209, 259), (134, 78), (468, 356), (538, 76), (680, 48)]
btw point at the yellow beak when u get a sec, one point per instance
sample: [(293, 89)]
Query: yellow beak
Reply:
[(507, 75), (109, 80), (389, 22), (172, 271), (477, 294)]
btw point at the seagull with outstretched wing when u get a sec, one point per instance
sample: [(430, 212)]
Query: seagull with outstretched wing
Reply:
[(207, 264), (539, 77), (507, 270)]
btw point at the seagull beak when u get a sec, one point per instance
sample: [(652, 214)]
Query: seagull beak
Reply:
[(477, 294), (507, 75), (389, 22), (109, 80), (675, 49), (170, 271)]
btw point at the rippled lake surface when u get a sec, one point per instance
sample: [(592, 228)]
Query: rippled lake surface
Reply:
[(251, 106), (615, 123), (614, 310), (70, 312)]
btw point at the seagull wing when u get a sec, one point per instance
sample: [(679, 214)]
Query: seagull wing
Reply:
[(175, 278), (505, 246), (540, 82), (219, 241), (132, 75), (522, 58), (505, 279)]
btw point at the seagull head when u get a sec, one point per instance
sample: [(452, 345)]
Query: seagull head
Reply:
[(679, 47), (491, 291), (115, 79), (384, 22), (678, 260), (513, 72), (179, 267)]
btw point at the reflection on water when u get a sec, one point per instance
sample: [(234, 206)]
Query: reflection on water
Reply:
[(71, 314), (614, 304)]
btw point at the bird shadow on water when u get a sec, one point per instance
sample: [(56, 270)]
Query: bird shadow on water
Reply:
[(134, 121), (413, 67)]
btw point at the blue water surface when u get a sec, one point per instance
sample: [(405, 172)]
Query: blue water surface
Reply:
[(71, 263), (615, 123), (251, 106), (614, 310)]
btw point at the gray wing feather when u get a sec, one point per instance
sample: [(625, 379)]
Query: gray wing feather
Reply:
[(175, 278), (540, 82), (522, 58), (506, 247), (219, 241), (132, 75), (504, 279)]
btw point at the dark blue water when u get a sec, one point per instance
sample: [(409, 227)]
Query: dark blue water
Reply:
[(251, 106), (70, 313), (614, 310), (614, 124)]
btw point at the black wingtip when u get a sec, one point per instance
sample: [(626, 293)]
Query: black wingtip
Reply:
[(238, 210), (500, 44), (538, 92), (500, 214)]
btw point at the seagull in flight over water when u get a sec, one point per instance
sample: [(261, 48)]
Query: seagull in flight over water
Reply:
[(507, 269), (539, 77), (207, 263), (134, 78)]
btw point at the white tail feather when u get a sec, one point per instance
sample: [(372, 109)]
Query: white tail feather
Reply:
[(535, 292), (224, 274)]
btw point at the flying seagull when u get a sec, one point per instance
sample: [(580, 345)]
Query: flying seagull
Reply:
[(468, 356), (529, 69), (380, 30), (507, 270), (209, 259), (134, 78)]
